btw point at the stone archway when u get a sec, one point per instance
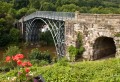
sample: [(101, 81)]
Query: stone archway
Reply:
[(104, 47)]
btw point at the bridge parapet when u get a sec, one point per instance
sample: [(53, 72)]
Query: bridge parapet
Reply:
[(98, 18), (62, 16)]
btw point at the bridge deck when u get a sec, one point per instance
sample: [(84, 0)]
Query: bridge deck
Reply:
[(62, 16)]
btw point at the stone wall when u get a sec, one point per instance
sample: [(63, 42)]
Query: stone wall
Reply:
[(92, 26)]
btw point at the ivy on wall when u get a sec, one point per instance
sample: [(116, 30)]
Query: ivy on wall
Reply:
[(76, 51)]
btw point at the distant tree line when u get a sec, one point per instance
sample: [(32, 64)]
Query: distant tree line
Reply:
[(23, 7), (12, 10)]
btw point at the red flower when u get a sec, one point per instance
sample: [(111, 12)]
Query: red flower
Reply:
[(17, 57), (20, 56), (27, 70), (29, 64), (19, 62), (8, 58), (24, 64)]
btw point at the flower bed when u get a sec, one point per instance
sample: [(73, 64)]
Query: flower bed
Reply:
[(22, 67)]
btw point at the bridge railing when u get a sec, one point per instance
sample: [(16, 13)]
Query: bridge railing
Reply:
[(51, 15)]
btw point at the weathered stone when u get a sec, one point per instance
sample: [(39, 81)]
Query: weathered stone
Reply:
[(93, 26)]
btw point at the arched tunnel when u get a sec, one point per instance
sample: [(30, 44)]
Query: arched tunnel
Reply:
[(104, 47)]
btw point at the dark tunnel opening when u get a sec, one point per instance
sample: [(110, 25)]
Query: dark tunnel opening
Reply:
[(104, 47)]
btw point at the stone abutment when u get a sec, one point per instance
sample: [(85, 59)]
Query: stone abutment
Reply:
[(101, 34)]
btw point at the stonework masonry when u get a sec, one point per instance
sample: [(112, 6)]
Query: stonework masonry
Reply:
[(92, 26)]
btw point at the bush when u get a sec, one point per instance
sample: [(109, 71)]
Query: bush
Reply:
[(14, 35), (39, 62), (62, 62), (35, 54), (79, 46), (4, 39), (12, 50), (77, 51), (46, 38), (72, 52), (3, 67)]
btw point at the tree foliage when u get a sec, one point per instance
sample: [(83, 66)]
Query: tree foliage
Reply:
[(46, 38), (69, 8)]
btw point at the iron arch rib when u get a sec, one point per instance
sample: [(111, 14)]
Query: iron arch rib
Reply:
[(58, 33), (56, 29)]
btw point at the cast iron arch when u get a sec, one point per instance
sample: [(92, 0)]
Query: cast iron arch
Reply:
[(55, 32)]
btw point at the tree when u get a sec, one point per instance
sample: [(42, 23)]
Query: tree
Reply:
[(34, 4), (14, 35), (5, 7), (68, 8), (84, 9), (94, 10), (31, 10), (4, 39), (18, 4), (22, 12), (46, 6), (46, 37)]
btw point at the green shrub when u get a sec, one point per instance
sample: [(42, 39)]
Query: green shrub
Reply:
[(43, 62), (62, 62), (12, 50), (4, 67), (35, 54), (39, 62), (77, 51), (79, 46), (117, 35), (46, 38), (14, 35), (72, 52)]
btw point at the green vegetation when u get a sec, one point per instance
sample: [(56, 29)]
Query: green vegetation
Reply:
[(46, 38), (117, 35), (79, 45), (12, 50), (87, 71), (7, 20), (72, 52), (77, 51), (37, 56)]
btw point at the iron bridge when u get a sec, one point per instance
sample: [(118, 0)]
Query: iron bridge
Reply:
[(55, 22)]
